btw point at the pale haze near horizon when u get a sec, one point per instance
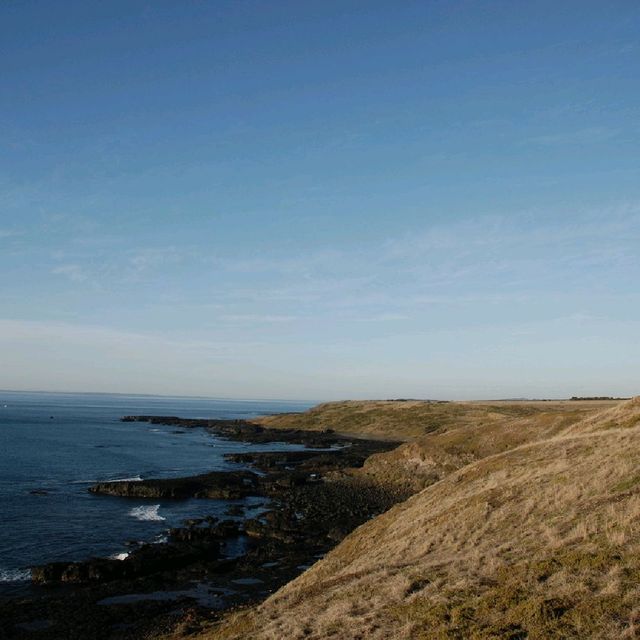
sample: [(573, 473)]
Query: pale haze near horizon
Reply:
[(284, 200)]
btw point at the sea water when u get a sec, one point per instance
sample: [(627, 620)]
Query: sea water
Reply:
[(53, 447)]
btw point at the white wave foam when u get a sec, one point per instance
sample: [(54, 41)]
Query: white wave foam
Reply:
[(14, 575), (132, 479), (120, 556), (146, 513)]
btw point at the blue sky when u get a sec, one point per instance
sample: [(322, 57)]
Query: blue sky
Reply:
[(320, 200)]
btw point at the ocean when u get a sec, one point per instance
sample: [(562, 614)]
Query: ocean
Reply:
[(53, 446)]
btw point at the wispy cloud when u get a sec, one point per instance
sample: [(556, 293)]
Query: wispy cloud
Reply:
[(87, 357), (9, 233), (383, 317), (489, 260), (73, 272), (151, 259), (253, 318), (471, 264), (79, 335), (587, 135)]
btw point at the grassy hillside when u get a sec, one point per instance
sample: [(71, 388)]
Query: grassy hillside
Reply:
[(539, 541), (410, 419), (441, 436), (481, 430)]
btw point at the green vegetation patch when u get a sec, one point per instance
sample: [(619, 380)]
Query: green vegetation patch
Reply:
[(520, 603), (628, 483)]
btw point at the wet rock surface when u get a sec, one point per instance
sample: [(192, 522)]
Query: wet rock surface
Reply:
[(311, 504), (243, 430)]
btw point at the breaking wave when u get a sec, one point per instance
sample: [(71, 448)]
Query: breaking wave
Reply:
[(146, 513), (14, 575), (132, 479)]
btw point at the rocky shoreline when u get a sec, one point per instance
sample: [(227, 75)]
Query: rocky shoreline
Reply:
[(310, 503)]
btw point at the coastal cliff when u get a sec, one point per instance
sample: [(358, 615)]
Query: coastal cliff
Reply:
[(458, 486), (539, 539)]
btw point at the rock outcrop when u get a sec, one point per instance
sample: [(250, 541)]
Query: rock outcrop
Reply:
[(217, 484)]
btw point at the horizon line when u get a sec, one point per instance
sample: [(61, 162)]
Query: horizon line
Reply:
[(313, 402)]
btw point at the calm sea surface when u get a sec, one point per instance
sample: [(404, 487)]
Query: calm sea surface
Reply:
[(57, 445)]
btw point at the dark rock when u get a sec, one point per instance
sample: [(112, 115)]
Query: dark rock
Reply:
[(193, 522), (312, 504), (235, 510), (146, 559), (223, 485), (244, 430), (219, 531)]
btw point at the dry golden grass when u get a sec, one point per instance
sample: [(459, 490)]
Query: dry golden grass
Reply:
[(470, 432), (539, 541), (410, 419)]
